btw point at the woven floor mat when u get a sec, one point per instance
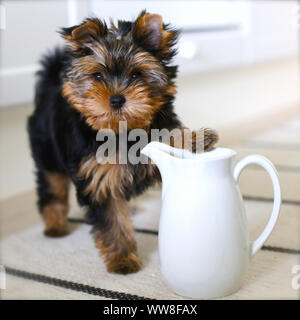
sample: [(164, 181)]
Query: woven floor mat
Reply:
[(70, 268), (31, 255)]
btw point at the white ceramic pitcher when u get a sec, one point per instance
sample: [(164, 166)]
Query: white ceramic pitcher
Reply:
[(204, 244)]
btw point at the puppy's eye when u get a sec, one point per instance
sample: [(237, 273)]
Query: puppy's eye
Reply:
[(98, 76), (136, 75)]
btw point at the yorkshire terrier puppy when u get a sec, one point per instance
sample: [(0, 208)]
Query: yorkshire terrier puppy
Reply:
[(104, 75)]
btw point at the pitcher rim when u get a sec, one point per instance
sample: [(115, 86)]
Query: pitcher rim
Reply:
[(207, 155), (180, 154)]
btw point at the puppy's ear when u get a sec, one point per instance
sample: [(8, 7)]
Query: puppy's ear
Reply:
[(84, 34), (151, 33)]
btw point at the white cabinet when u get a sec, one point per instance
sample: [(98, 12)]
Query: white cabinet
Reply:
[(273, 30), (216, 34), (28, 29), (212, 31)]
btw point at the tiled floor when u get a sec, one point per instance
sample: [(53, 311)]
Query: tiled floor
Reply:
[(74, 258)]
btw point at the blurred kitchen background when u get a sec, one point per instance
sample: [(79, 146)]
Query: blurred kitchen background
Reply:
[(239, 66)]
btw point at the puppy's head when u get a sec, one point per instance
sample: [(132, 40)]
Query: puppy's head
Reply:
[(120, 73)]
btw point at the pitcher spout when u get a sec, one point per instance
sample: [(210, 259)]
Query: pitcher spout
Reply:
[(159, 153)]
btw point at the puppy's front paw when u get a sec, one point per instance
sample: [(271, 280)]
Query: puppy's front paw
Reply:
[(125, 265), (203, 140), (210, 139)]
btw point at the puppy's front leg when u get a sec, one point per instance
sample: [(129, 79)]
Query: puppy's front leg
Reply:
[(209, 136), (195, 141), (115, 238)]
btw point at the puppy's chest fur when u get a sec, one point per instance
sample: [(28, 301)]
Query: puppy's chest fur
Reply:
[(115, 180)]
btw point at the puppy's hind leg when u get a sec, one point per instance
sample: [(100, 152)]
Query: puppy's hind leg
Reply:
[(53, 202)]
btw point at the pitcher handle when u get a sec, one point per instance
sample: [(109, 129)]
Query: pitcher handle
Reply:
[(269, 167)]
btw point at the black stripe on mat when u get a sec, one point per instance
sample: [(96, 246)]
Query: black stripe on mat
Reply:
[(248, 198), (73, 285), (264, 199), (154, 232), (279, 249), (267, 248)]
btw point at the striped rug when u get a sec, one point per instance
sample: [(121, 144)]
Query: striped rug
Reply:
[(70, 268)]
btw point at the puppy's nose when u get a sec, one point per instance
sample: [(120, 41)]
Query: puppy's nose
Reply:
[(117, 101)]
